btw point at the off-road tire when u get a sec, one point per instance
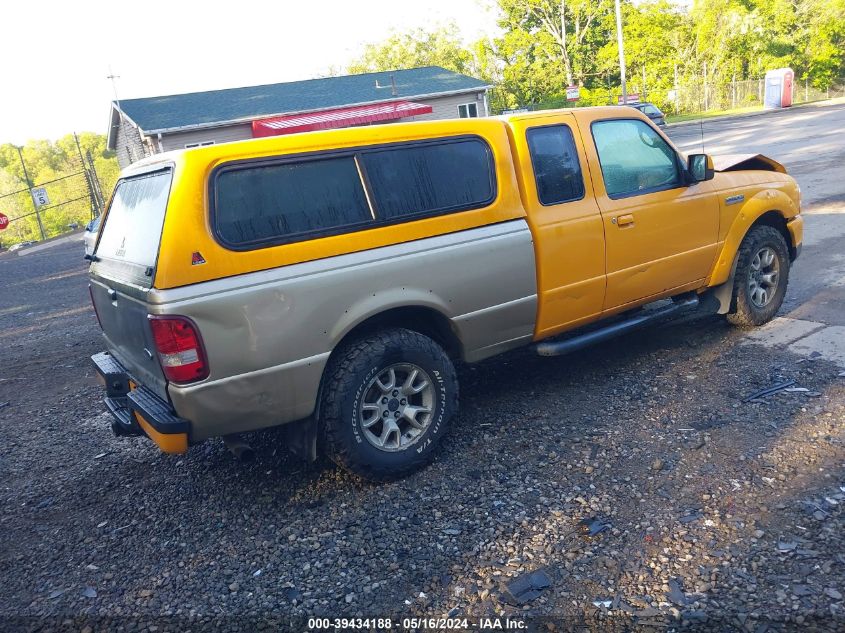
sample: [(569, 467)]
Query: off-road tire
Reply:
[(743, 312), (350, 371)]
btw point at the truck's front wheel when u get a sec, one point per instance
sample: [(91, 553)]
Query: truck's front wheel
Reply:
[(762, 273), (388, 399)]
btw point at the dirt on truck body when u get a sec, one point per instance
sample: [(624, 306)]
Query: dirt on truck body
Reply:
[(329, 281)]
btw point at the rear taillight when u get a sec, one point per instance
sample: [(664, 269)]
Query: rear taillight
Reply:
[(180, 349), (94, 303)]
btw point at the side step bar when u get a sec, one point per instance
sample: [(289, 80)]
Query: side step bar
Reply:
[(575, 343)]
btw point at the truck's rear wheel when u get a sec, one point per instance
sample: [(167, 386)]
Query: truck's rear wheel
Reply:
[(762, 273), (387, 402)]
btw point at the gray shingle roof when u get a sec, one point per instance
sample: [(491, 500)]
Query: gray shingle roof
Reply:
[(153, 114)]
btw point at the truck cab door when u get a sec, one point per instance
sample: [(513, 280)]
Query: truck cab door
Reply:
[(661, 233), (564, 220)]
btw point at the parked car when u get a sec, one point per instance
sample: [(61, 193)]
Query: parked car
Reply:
[(329, 281), (651, 111), (90, 236)]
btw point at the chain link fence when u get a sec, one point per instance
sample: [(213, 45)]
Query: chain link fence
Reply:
[(709, 97), (692, 97), (55, 206)]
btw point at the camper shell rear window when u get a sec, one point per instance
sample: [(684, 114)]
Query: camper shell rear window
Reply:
[(265, 202), (128, 245)]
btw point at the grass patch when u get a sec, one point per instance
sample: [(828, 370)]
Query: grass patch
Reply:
[(677, 118)]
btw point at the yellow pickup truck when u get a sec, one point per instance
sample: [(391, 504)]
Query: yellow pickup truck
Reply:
[(329, 281)]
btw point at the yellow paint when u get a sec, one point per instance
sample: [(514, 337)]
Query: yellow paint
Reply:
[(778, 195), (188, 230), (595, 257), (568, 237), (173, 443)]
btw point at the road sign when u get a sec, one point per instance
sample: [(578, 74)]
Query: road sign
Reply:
[(633, 97), (573, 93), (40, 197), (4, 222)]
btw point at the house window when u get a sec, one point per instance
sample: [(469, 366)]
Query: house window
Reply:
[(202, 144), (468, 110)]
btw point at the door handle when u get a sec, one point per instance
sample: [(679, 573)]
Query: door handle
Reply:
[(623, 220)]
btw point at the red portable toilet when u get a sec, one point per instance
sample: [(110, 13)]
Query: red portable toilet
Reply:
[(778, 88)]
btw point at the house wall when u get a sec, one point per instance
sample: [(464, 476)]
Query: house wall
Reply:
[(447, 107), (442, 108), (129, 146), (225, 134)]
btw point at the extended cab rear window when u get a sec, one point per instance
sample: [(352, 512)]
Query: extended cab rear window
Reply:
[(554, 158), (130, 237), (276, 201)]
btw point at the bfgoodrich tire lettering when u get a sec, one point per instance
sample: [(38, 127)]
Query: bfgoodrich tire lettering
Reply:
[(362, 370), (762, 273)]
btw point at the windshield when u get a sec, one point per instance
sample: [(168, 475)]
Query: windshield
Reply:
[(128, 245)]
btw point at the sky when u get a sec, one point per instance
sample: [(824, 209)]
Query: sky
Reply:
[(57, 54)]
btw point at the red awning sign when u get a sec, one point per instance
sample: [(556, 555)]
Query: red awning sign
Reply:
[(339, 117)]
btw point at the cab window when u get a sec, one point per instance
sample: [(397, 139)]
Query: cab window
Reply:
[(634, 158), (554, 158)]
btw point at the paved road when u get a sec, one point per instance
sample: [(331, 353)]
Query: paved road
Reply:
[(809, 142)]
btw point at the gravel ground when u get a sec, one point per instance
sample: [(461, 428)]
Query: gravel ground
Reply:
[(724, 514)]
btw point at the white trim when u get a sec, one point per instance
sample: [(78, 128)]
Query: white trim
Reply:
[(121, 116), (250, 119), (474, 104)]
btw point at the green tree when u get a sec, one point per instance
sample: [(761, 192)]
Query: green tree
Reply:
[(419, 47), (550, 44), (58, 167)]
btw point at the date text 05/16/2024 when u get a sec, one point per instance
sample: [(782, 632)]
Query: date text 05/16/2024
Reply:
[(416, 624)]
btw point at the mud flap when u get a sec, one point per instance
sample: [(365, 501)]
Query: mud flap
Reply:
[(301, 438), (719, 298)]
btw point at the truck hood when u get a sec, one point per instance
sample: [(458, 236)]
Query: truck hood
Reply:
[(741, 162)]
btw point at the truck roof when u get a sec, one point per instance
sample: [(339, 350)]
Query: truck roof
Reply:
[(359, 135)]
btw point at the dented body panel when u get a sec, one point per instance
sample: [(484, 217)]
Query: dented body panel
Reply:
[(481, 281)]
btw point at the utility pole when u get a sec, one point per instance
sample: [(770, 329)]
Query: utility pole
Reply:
[(621, 52), (29, 186), (645, 90)]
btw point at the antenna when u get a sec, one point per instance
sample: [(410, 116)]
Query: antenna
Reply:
[(112, 77)]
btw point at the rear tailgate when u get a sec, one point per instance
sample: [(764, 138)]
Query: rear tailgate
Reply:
[(123, 270)]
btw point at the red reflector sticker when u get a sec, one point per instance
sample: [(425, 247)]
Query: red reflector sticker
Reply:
[(197, 258)]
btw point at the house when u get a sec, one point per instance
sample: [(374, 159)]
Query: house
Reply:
[(142, 127)]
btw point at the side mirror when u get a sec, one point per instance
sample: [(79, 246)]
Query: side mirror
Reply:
[(700, 167)]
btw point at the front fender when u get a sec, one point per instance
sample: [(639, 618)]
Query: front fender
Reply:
[(754, 208)]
